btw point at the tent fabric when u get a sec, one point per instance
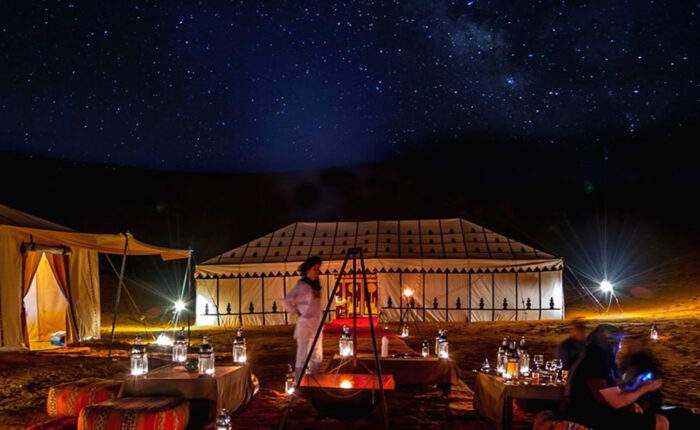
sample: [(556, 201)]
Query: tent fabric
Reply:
[(454, 238), (493, 276), (103, 243), (76, 271)]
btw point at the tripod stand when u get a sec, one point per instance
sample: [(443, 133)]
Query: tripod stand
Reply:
[(355, 254)]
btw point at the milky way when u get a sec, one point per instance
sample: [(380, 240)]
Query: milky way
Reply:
[(262, 86)]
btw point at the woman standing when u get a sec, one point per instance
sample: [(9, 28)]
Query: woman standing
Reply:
[(304, 300)]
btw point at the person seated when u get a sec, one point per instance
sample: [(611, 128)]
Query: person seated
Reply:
[(593, 397), (569, 350)]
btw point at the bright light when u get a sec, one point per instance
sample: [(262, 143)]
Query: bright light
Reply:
[(179, 306), (408, 292), (606, 286), (164, 340), (346, 384)]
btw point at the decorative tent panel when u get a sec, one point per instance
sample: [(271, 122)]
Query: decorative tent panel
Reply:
[(435, 238)]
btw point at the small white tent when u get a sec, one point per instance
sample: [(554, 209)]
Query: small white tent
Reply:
[(458, 270), (49, 278)]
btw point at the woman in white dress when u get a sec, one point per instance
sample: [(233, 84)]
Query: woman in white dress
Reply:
[(304, 300)]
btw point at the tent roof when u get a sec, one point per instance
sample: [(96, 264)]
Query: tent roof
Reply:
[(10, 216), (48, 233), (453, 238)]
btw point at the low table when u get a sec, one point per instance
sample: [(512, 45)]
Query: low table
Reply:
[(493, 398), (406, 371), (230, 387)]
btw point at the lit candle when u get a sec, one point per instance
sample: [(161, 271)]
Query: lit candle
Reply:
[(346, 384)]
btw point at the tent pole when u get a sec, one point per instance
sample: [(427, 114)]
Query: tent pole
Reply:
[(377, 362), (119, 290)]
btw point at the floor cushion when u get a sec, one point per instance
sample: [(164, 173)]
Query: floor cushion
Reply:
[(136, 413), (57, 423), (68, 399), (548, 420)]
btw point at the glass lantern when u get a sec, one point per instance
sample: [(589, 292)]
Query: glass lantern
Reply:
[(512, 370), (224, 421), (180, 349), (206, 357), (524, 358), (654, 333), (443, 349), (425, 348), (139, 358), (289, 381), (239, 348), (404, 331), (502, 357), (345, 343)]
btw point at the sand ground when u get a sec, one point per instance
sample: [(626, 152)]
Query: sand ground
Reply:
[(27, 376)]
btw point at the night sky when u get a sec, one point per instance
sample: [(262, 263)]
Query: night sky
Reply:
[(265, 86)]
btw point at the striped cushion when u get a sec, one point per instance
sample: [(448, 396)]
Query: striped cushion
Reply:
[(136, 413), (67, 400)]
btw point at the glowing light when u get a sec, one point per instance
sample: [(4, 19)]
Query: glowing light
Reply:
[(606, 286), (164, 340), (408, 292), (179, 306), (346, 384), (290, 390)]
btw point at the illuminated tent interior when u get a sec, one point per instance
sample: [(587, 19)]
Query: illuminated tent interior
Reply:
[(458, 271), (49, 278)]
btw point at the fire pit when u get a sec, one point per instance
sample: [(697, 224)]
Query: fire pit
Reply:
[(345, 395)]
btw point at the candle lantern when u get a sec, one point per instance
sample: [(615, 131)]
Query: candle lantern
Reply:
[(485, 366), (224, 421), (404, 331), (239, 348), (289, 381), (654, 332), (502, 357), (443, 351), (206, 357), (524, 355), (513, 363), (425, 348), (345, 343), (180, 349), (139, 358)]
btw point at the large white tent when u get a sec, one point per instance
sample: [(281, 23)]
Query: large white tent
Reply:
[(458, 270), (49, 278)]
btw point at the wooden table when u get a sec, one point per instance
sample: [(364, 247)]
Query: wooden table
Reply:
[(230, 387), (493, 398), (406, 371)]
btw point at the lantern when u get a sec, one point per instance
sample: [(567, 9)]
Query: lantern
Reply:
[(164, 340), (404, 331), (425, 348), (345, 343), (239, 348), (512, 370), (206, 357), (289, 381), (139, 358), (443, 351), (502, 357), (524, 355), (224, 421), (654, 333), (180, 349), (485, 366)]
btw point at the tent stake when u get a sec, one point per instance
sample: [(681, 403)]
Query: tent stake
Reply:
[(119, 290)]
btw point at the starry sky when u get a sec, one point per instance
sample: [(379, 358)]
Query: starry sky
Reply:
[(260, 86)]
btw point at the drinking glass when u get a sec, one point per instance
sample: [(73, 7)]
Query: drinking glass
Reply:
[(557, 363), (549, 366), (538, 359)]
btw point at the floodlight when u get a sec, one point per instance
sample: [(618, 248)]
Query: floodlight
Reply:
[(179, 306), (606, 286)]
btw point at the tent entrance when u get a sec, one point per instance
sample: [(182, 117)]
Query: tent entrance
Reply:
[(344, 299), (46, 309)]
